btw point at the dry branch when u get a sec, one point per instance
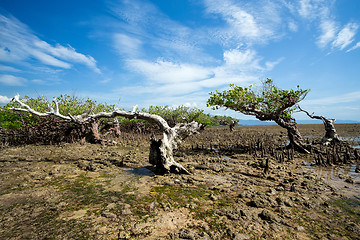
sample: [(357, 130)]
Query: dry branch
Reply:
[(161, 150), (330, 131)]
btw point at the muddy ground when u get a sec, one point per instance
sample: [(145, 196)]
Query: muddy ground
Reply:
[(87, 191)]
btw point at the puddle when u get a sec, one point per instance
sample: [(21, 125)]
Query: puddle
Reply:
[(336, 176), (224, 157), (355, 139), (140, 171)]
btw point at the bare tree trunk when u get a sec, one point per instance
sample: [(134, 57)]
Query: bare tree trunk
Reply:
[(162, 150), (232, 125), (94, 135), (330, 131)]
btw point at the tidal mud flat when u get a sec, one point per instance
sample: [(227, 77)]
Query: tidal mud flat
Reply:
[(88, 191)]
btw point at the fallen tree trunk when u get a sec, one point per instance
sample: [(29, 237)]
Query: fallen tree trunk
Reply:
[(330, 132), (161, 150)]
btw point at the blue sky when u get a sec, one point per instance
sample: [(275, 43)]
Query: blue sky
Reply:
[(162, 52)]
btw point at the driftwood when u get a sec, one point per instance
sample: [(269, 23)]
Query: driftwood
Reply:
[(161, 150), (330, 131)]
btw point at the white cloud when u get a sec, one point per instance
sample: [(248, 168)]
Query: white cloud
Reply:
[(344, 98), (179, 71), (357, 45), (240, 58), (4, 68), (48, 59), (67, 53), (11, 80), (328, 30), (144, 29), (127, 45), (38, 81), (256, 21), (293, 26), (315, 9), (4, 99), (345, 36), (168, 72), (307, 8), (19, 44), (331, 33), (165, 79)]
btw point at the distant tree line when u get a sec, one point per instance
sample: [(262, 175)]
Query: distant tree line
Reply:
[(25, 127)]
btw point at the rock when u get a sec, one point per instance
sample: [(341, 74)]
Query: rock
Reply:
[(349, 180), (205, 226), (269, 216), (284, 200), (186, 234), (110, 206), (86, 165), (299, 228), (246, 194), (58, 207), (241, 236), (258, 202), (126, 210), (109, 215), (191, 205), (203, 236), (231, 213), (308, 205), (213, 197), (285, 212), (271, 192), (353, 227), (23, 185), (124, 235)]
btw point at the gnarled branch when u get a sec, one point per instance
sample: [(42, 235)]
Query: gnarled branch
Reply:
[(330, 131), (162, 154)]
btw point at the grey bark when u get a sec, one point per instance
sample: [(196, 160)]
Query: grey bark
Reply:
[(295, 138), (330, 131)]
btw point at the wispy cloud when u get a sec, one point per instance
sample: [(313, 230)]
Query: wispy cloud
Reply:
[(171, 58), (19, 44), (146, 31), (238, 19), (4, 68), (173, 61), (332, 34), (250, 22), (168, 72), (346, 36), (328, 30), (293, 26), (4, 99), (172, 79), (127, 45), (312, 9), (343, 98), (11, 80), (357, 45)]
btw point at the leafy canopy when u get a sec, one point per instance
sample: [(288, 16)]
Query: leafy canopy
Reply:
[(76, 106), (266, 102)]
